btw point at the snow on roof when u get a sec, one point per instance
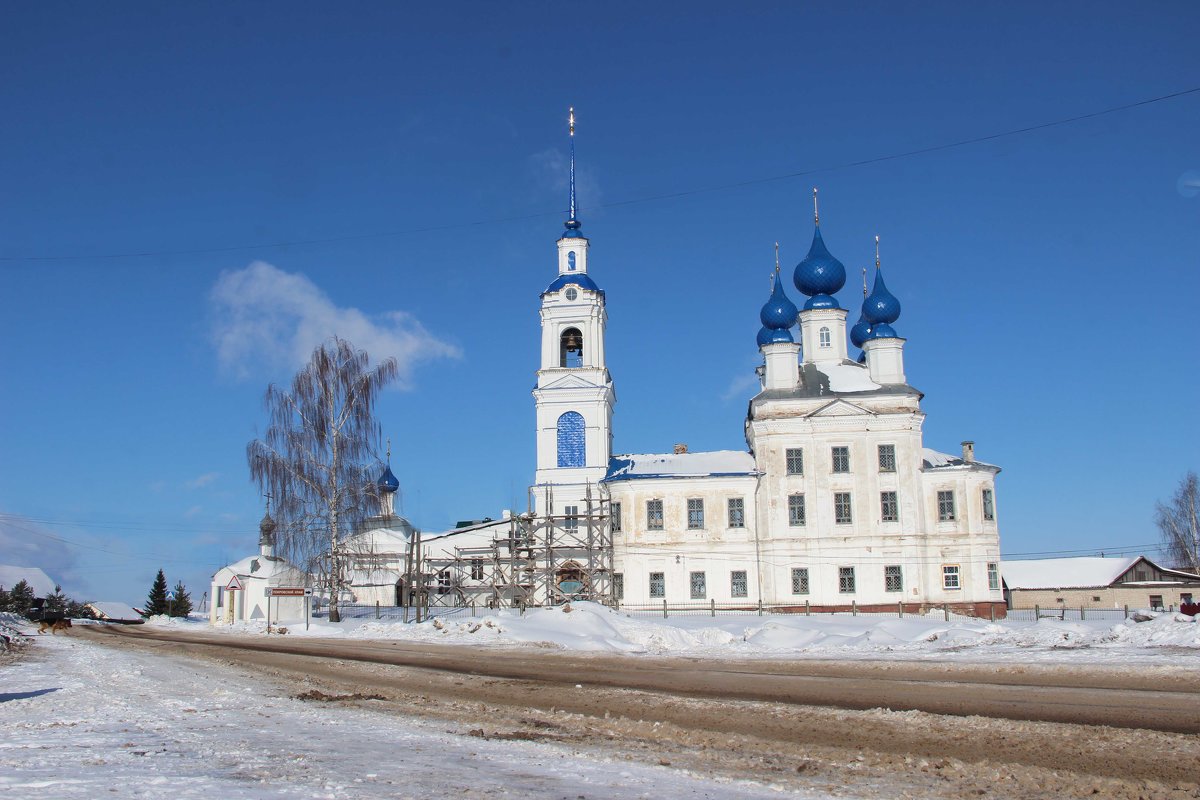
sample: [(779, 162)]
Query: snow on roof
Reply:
[(936, 460), (1064, 573), (680, 465), (262, 567), (116, 611), (38, 581), (847, 377)]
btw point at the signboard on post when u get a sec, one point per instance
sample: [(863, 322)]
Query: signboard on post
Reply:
[(288, 591)]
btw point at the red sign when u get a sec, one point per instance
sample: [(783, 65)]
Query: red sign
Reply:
[(234, 584)]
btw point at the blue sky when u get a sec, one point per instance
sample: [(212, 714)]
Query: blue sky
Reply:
[(415, 160)]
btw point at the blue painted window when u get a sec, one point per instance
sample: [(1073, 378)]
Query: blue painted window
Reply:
[(570, 440), (571, 262)]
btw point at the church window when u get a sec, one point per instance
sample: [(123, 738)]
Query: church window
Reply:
[(443, 582), (658, 584), (846, 580), (796, 510), (699, 589), (615, 516), (841, 459), (893, 578), (571, 349), (841, 508), (889, 507), (825, 339), (571, 448), (945, 500), (571, 261), (737, 583), (887, 458), (571, 293), (799, 580), (571, 523), (619, 585), (695, 507), (654, 515), (737, 512), (989, 506), (994, 577), (951, 577), (476, 569), (795, 461)]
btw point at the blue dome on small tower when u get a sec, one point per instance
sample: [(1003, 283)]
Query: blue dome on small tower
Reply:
[(819, 275), (881, 308), (860, 332), (779, 313), (387, 481), (774, 335)]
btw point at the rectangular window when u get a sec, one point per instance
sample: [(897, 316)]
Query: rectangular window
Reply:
[(993, 576), (699, 589), (1156, 602), (795, 461), (889, 507), (893, 579), (796, 515), (615, 517), (946, 505), (737, 512), (476, 569), (737, 584), (619, 585), (887, 458), (841, 508), (572, 521), (846, 580), (695, 513), (220, 596), (841, 459), (950, 577), (658, 584), (799, 580), (654, 515), (989, 505)]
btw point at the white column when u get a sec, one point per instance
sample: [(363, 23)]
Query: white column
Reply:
[(885, 360), (783, 370)]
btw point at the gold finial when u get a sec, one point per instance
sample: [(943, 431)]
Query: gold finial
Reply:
[(877, 251), (864, 281), (571, 120), (777, 258), (816, 214)]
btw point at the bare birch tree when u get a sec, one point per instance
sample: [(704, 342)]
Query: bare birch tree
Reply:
[(317, 455), (1178, 524)]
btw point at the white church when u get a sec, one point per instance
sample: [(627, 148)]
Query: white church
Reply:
[(835, 504)]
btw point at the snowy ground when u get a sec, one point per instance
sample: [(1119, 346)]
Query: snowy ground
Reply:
[(82, 720), (1159, 640)]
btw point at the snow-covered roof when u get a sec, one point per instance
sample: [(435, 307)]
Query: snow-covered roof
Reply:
[(848, 377), (115, 611), (38, 581), (263, 567), (717, 463), (935, 460)]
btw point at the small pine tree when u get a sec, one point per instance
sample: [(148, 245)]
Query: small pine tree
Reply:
[(5, 600), (156, 603), (56, 603), (183, 601), (20, 599)]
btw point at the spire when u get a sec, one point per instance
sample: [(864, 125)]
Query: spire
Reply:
[(816, 213), (572, 224), (880, 308)]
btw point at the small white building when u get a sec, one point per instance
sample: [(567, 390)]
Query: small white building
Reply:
[(1096, 582), (239, 590)]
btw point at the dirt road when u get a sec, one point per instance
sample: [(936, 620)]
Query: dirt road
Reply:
[(952, 730)]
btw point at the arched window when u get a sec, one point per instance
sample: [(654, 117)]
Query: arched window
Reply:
[(570, 440), (823, 334), (570, 348), (571, 261)]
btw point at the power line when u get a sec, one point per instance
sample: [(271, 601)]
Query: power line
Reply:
[(617, 203)]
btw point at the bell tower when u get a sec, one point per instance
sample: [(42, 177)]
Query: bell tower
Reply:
[(574, 396)]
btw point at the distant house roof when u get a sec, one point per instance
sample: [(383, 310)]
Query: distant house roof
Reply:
[(117, 612), (934, 460), (263, 567), (38, 581), (1079, 573), (718, 463)]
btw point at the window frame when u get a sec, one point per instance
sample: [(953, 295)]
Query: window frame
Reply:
[(794, 457), (893, 576), (952, 571), (993, 573), (947, 512), (734, 583), (618, 585), (738, 505), (614, 517), (661, 579), (800, 581), (843, 508), (571, 518), (824, 338), (890, 450), (840, 452), (654, 515), (847, 583), (695, 513), (989, 505), (698, 584), (883, 505)]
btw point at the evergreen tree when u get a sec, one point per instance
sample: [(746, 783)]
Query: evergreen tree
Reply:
[(56, 603), (182, 606), (157, 601), (5, 600), (20, 599)]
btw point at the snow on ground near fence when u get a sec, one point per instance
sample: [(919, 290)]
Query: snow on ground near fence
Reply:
[(82, 720), (1164, 639)]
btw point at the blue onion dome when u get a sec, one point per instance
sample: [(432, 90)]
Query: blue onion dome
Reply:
[(819, 275), (572, 232), (883, 331), (773, 336), (860, 332), (881, 306), (779, 313), (387, 481)]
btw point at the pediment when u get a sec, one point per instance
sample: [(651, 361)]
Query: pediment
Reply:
[(570, 382), (840, 408)]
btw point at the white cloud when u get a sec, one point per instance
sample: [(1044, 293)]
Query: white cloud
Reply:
[(27, 544), (265, 317), (740, 387), (202, 480)]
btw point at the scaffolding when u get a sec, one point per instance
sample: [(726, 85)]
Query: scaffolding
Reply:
[(536, 560)]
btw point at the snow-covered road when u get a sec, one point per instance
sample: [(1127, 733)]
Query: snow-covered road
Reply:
[(81, 720)]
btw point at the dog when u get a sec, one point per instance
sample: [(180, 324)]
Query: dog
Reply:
[(53, 625)]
